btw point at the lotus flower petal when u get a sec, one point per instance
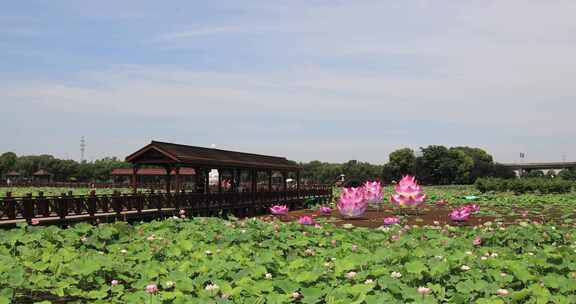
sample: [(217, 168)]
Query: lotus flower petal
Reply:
[(472, 208), (279, 209), (460, 215), (352, 202), (391, 220), (373, 192), (325, 210), (306, 220), (408, 193)]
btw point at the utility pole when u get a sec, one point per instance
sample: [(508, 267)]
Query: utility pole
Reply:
[(82, 148)]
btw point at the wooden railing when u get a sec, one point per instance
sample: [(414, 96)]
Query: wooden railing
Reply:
[(68, 208), (73, 185)]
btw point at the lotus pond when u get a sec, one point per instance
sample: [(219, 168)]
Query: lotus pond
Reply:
[(276, 259), (210, 260)]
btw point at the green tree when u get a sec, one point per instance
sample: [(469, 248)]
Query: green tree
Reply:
[(7, 162), (568, 174), (400, 162)]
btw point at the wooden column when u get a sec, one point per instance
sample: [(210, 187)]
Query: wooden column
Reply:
[(284, 184), (177, 173), (168, 172), (298, 180), (254, 175), (197, 179), (285, 188), (206, 180), (233, 186), (270, 180), (134, 178), (219, 180)]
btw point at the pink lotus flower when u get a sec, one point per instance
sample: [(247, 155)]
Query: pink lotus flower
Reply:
[(460, 215), (472, 208), (352, 202), (279, 209), (34, 222), (477, 241), (325, 210), (424, 290), (408, 193), (306, 220), (151, 288), (373, 192), (391, 220), (114, 282)]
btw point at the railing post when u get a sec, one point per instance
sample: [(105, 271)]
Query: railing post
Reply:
[(10, 204), (28, 211), (43, 207), (62, 204), (92, 203), (116, 202)]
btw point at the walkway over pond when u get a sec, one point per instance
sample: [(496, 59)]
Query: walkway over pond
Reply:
[(244, 187)]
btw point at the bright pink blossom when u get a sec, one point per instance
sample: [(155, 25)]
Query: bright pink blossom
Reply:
[(391, 220), (114, 282), (408, 193), (325, 210), (424, 290), (34, 222), (472, 208), (151, 288), (279, 209), (460, 215), (373, 192), (477, 241), (352, 202), (306, 220)]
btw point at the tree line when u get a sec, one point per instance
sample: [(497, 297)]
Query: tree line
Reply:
[(62, 170), (434, 165), (437, 165)]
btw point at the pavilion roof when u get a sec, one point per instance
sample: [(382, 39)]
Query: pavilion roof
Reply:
[(169, 153), (151, 171), (41, 172)]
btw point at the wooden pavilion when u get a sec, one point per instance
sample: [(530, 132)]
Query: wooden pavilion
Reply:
[(241, 171), (42, 176)]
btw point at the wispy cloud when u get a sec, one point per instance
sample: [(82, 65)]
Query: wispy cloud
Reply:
[(379, 75)]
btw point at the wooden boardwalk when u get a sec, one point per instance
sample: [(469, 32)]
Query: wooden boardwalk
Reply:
[(65, 209)]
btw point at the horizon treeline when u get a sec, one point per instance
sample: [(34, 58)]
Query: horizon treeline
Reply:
[(432, 165)]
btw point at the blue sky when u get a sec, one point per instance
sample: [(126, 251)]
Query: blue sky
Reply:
[(329, 80)]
